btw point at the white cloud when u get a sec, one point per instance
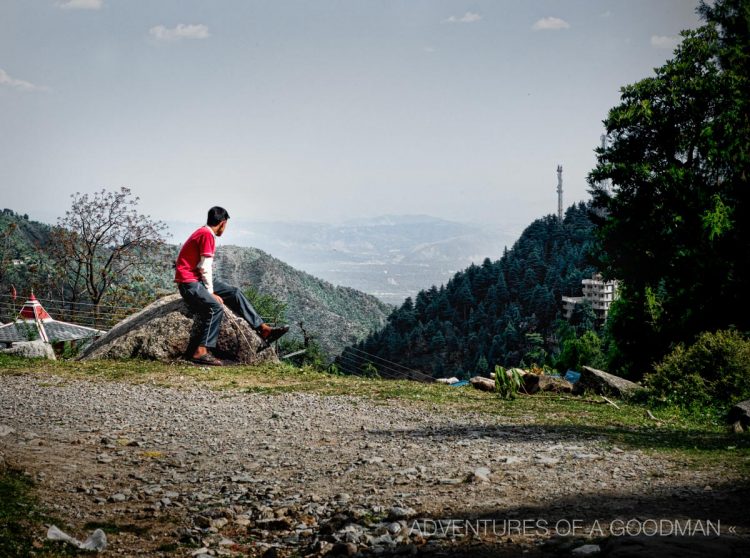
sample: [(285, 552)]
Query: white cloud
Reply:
[(182, 31), (429, 49), (80, 4), (550, 24), (468, 17), (661, 41), (18, 84)]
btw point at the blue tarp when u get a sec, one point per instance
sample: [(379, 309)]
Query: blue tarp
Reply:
[(459, 384), (572, 376)]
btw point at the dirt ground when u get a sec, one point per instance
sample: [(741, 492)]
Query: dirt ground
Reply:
[(196, 472)]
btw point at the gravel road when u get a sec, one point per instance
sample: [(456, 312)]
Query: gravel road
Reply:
[(191, 472)]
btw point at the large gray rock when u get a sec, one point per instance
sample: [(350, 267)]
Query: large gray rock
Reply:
[(740, 413), (482, 383), (533, 383), (31, 349), (605, 383), (166, 331)]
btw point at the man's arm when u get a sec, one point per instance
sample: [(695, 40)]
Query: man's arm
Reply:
[(206, 269)]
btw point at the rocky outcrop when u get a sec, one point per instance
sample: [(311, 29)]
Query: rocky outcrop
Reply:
[(604, 383), (166, 331), (31, 349)]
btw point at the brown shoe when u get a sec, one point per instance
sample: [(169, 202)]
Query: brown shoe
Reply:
[(273, 333), (207, 360)]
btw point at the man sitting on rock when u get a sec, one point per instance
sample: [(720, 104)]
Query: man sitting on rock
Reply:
[(206, 297)]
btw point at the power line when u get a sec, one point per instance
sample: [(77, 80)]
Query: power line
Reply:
[(388, 371), (380, 371), (60, 301), (401, 374), (405, 368)]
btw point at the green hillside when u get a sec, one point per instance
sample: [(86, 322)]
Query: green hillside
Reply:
[(502, 312), (336, 316)]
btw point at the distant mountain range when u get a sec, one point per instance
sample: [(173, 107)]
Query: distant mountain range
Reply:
[(391, 257)]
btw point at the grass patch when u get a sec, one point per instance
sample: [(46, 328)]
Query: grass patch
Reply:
[(15, 504), (698, 440), (21, 518)]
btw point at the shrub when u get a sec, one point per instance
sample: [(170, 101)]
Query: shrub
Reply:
[(715, 370), (581, 351), (507, 382)]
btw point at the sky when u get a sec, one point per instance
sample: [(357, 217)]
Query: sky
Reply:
[(318, 111)]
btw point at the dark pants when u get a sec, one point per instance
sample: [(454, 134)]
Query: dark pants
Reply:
[(211, 312)]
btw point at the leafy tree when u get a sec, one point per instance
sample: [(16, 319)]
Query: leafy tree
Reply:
[(674, 228), (101, 239), (535, 352), (583, 317), (482, 366), (585, 350), (268, 306)]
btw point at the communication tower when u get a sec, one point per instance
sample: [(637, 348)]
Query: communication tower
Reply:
[(559, 193)]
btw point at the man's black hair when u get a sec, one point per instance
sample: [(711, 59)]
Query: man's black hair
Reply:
[(216, 215)]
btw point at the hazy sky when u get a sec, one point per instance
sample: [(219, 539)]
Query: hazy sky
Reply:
[(317, 110)]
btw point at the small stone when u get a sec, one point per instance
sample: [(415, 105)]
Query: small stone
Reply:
[(219, 523), (202, 521), (242, 479), (397, 512), (586, 456), (480, 474), (343, 549), (119, 497), (587, 550)]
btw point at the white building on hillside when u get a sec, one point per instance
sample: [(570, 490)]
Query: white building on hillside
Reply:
[(599, 293)]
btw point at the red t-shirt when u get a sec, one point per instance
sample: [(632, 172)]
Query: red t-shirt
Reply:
[(200, 243)]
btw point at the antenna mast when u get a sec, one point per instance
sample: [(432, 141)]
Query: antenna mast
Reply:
[(559, 193)]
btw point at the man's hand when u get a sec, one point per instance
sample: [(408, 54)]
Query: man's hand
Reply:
[(217, 297)]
